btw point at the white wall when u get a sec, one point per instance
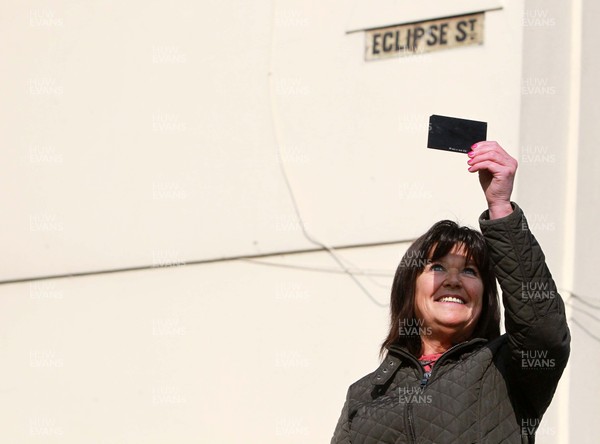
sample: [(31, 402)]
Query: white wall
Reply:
[(587, 237), (142, 131), (559, 187), (235, 352), (147, 135)]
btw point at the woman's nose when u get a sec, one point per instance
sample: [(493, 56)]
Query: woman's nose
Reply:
[(452, 279)]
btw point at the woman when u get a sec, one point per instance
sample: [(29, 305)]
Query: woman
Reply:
[(447, 375)]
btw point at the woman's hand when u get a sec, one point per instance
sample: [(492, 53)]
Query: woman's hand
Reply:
[(496, 175)]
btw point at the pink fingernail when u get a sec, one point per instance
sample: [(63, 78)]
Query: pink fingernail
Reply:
[(470, 154), (473, 146)]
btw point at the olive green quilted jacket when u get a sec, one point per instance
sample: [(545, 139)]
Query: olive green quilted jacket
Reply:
[(479, 391)]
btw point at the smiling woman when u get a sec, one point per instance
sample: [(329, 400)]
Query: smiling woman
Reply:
[(448, 261), (448, 376)]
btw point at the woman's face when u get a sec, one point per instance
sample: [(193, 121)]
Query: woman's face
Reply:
[(448, 296)]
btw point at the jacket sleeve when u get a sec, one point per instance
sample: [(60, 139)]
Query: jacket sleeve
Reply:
[(536, 327), (341, 435)]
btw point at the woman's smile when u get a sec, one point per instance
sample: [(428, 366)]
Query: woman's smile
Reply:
[(448, 296)]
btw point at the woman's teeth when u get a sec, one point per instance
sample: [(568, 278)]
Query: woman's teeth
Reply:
[(451, 299)]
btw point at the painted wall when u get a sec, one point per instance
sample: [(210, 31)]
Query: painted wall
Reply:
[(156, 136)]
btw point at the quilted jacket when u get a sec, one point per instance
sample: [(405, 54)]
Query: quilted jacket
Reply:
[(479, 391)]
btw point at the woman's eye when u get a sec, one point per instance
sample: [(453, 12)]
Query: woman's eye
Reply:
[(436, 267), (470, 270)]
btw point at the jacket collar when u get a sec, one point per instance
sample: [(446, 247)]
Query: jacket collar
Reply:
[(398, 354)]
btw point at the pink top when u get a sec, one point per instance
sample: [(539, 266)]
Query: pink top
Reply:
[(428, 360)]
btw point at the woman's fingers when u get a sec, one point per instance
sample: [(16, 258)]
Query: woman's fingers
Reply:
[(491, 153), (496, 170), (494, 157), (493, 167), (489, 147)]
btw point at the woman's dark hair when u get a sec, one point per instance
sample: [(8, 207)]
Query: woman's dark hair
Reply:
[(437, 242)]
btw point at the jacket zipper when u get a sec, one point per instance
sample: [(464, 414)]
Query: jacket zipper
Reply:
[(442, 358), (409, 417), (424, 380)]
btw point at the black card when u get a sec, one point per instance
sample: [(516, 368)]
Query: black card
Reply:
[(453, 134)]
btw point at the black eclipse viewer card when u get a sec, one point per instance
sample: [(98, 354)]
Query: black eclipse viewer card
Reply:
[(454, 134)]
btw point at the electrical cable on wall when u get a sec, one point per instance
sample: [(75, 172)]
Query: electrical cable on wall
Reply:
[(570, 304), (336, 270), (336, 257), (307, 235), (584, 301), (573, 296), (590, 334)]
